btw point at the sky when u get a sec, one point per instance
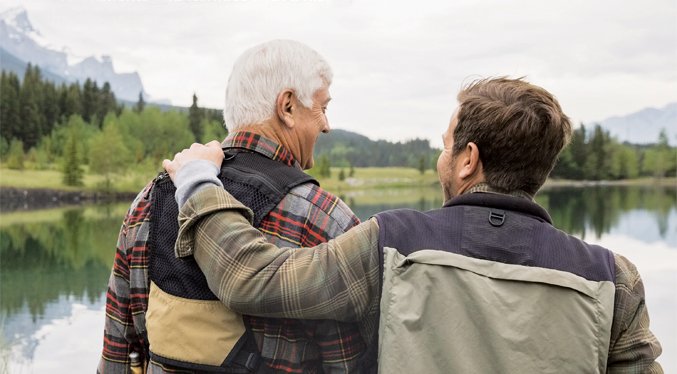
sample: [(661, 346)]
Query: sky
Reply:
[(398, 65)]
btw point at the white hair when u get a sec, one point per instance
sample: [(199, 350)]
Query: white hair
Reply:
[(262, 72)]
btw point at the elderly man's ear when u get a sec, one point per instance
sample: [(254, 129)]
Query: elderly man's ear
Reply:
[(285, 107)]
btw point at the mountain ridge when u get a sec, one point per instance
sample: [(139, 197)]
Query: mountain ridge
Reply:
[(643, 126), (21, 41)]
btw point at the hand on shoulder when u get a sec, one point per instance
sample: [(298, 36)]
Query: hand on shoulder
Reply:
[(210, 152)]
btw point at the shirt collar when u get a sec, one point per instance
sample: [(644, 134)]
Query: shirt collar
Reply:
[(260, 144)]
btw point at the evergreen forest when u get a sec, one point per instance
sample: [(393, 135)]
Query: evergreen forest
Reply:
[(74, 128), (82, 128)]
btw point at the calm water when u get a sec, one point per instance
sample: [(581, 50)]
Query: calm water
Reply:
[(55, 266)]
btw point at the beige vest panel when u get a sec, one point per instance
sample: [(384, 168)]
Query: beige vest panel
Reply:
[(446, 313), (197, 331)]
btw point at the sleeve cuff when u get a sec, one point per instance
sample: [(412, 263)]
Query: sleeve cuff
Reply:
[(193, 177)]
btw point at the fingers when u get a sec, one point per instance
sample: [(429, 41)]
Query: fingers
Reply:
[(170, 167), (210, 152)]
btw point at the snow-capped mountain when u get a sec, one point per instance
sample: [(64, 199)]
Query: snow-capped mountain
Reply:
[(21, 42)]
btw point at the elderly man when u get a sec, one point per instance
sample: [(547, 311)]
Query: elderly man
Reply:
[(276, 100), (485, 284)]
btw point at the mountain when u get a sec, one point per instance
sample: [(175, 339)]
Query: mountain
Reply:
[(643, 127), (21, 44)]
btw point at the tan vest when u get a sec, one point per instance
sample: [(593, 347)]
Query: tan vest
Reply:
[(188, 326)]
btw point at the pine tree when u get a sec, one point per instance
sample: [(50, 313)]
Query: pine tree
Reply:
[(107, 103), (342, 175), (89, 98), (351, 171), (421, 164), (30, 114), (51, 110), (72, 172), (597, 163), (10, 120), (140, 104), (72, 101), (579, 152), (195, 120)]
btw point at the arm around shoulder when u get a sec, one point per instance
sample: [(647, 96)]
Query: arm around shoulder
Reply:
[(334, 280)]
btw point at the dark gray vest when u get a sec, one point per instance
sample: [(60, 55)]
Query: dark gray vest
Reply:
[(495, 228), (498, 228)]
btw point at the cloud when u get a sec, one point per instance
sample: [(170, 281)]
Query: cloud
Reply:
[(398, 64)]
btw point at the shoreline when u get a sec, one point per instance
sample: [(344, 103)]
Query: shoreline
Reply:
[(643, 182), (24, 199)]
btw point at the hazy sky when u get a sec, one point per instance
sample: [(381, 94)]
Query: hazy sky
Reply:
[(397, 64)]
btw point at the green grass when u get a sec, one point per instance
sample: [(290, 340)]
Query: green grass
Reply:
[(378, 178), (380, 196), (52, 179), (364, 179), (134, 180)]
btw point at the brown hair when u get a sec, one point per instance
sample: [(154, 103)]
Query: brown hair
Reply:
[(519, 130)]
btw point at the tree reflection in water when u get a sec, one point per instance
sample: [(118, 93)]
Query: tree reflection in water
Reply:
[(56, 257)]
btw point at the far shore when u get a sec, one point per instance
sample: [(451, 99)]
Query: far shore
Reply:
[(13, 199), (648, 182), (31, 190)]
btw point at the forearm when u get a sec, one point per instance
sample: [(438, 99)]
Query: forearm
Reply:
[(335, 280)]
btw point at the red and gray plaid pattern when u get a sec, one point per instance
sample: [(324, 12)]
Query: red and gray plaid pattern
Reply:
[(127, 296), (307, 216)]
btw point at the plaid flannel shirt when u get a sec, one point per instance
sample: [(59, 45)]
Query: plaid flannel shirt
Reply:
[(307, 216), (340, 279)]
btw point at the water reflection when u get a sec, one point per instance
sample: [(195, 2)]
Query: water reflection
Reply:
[(367, 203), (55, 264), (593, 211), (51, 260), (588, 212), (42, 260)]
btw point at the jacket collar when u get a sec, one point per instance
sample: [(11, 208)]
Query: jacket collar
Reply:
[(501, 201)]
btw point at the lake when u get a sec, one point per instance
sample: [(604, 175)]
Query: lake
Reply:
[(55, 264)]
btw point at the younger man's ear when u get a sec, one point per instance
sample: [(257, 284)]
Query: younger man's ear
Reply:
[(285, 107), (471, 164)]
